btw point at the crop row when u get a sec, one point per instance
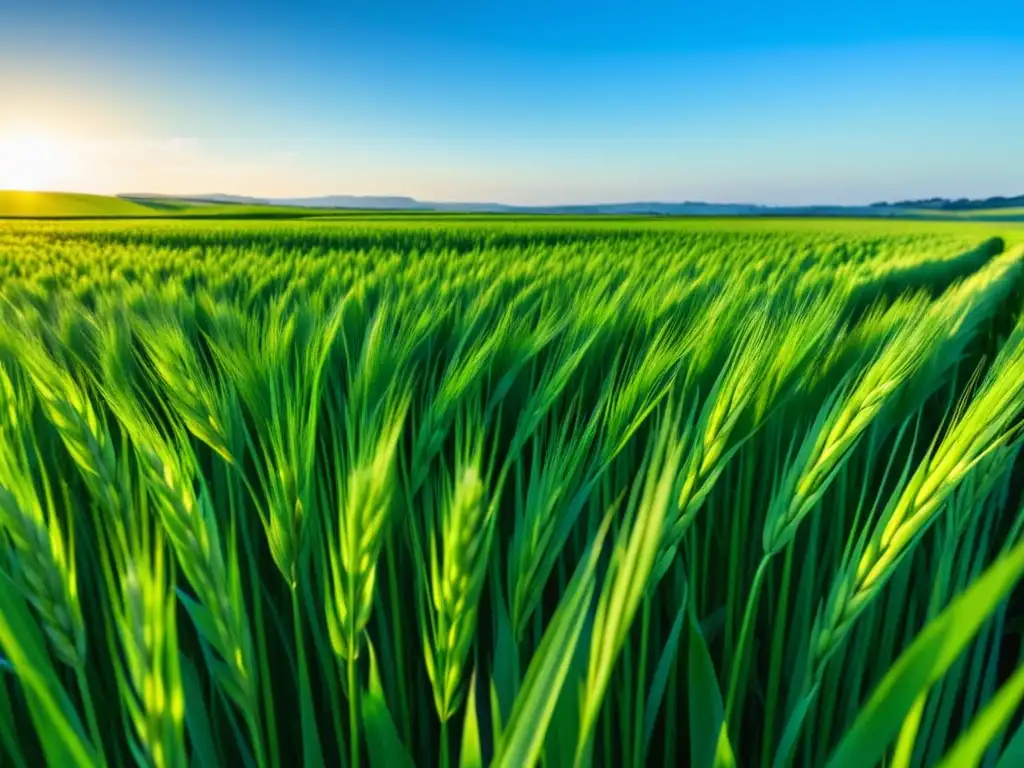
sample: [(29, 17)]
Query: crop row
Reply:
[(496, 496)]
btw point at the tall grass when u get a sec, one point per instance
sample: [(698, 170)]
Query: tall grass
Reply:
[(507, 494)]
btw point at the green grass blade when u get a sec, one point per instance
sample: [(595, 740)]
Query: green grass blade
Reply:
[(385, 745), (1013, 754), (523, 738), (312, 754), (57, 724), (709, 739), (197, 718), (471, 753), (970, 748), (659, 683), (924, 662), (8, 740)]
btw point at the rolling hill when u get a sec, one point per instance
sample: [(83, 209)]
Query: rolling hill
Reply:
[(57, 205), (910, 209), (66, 205), (41, 205)]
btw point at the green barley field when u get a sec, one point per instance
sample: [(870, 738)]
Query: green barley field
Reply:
[(479, 491)]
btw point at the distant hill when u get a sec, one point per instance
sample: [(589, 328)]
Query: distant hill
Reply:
[(327, 201), (401, 203), (641, 208), (211, 205), (66, 205), (215, 198), (356, 201), (608, 209), (961, 204)]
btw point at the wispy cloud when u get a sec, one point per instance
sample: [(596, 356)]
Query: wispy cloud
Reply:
[(175, 146)]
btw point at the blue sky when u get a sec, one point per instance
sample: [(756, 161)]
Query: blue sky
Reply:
[(524, 102)]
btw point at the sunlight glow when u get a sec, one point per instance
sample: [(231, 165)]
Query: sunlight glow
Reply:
[(32, 163)]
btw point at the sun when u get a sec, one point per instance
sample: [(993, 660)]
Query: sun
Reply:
[(32, 163)]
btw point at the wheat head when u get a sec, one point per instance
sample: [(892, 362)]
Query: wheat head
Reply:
[(467, 530)]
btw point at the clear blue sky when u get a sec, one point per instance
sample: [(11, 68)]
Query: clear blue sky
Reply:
[(528, 102)]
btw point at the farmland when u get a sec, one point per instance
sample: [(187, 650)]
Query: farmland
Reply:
[(465, 491), (18, 205), (21, 205), (64, 205)]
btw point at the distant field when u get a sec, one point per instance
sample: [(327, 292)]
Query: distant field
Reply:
[(1007, 223), (97, 211), (64, 205), (491, 467), (232, 211), (31, 205), (1005, 214)]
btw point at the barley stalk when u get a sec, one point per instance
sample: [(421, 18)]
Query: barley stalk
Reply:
[(986, 425), (41, 566), (558, 484), (927, 344), (713, 447), (364, 513), (70, 410), (191, 528), (149, 676), (842, 422), (43, 558), (629, 577), (365, 496), (189, 388), (171, 476), (467, 528)]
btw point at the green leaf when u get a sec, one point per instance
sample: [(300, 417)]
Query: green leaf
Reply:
[(709, 740), (226, 679), (724, 756), (312, 753), (560, 744), (661, 673), (903, 754), (204, 753), (1013, 755), (496, 722), (7, 736), (629, 573), (471, 755), (523, 738), (506, 677), (201, 617), (55, 719), (792, 732), (970, 748), (928, 658), (385, 745)]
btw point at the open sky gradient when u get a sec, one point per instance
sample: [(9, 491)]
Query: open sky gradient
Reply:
[(533, 102)]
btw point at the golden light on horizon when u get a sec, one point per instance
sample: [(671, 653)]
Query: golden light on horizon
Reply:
[(33, 163)]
